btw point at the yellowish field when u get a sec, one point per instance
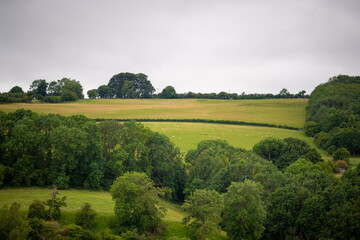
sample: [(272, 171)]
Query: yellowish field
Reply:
[(289, 112)]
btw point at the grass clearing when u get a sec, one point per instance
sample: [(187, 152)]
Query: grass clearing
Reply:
[(290, 112)]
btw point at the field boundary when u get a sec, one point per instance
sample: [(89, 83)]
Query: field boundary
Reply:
[(229, 122)]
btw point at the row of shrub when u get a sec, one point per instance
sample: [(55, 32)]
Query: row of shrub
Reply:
[(231, 122)]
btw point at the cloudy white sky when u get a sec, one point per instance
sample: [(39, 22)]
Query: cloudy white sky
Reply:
[(194, 45)]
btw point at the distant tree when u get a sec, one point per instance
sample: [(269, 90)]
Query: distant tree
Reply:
[(342, 154), (68, 95), (54, 204), (54, 88), (270, 148), (16, 89), (104, 91), (168, 92), (37, 210), (284, 93), (223, 95), (92, 94), (85, 217), (244, 213), (204, 207), (72, 86), (38, 88), (130, 85), (300, 94), (136, 203)]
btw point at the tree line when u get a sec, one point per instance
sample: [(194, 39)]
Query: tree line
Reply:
[(62, 90), (122, 85), (130, 85), (333, 115)]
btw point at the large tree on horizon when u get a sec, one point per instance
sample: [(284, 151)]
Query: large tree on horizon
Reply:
[(130, 85)]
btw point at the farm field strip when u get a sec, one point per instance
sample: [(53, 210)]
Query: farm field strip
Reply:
[(187, 135), (290, 112)]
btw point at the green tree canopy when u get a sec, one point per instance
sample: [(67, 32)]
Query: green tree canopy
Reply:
[(16, 89), (136, 204), (92, 94), (204, 207), (168, 92), (244, 213), (130, 85)]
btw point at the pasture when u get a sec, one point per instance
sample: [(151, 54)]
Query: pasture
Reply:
[(101, 202), (187, 135), (290, 112)]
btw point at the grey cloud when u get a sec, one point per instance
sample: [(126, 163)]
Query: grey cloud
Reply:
[(201, 46)]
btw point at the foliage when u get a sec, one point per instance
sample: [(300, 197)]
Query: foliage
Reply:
[(16, 89), (342, 154), (341, 164), (42, 150), (37, 210), (334, 109), (270, 148), (284, 152), (104, 91), (92, 94), (54, 204), (38, 88), (244, 212), (168, 92), (12, 223), (85, 217), (75, 232), (204, 212), (136, 204), (130, 85)]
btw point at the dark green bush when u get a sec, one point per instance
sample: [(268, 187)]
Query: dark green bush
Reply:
[(85, 217), (37, 210)]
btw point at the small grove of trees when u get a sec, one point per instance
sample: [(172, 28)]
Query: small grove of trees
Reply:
[(62, 90)]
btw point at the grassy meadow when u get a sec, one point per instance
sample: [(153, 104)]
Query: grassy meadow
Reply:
[(290, 112), (101, 202), (187, 135)]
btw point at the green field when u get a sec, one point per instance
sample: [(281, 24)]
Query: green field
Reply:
[(290, 112), (101, 202), (187, 135)]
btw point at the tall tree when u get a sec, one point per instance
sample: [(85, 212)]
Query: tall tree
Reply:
[(136, 203), (244, 212), (204, 207), (38, 88), (130, 85)]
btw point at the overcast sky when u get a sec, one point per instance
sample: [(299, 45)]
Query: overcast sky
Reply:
[(194, 45)]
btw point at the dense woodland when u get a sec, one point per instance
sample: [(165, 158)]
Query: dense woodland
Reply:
[(281, 189), (333, 115)]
